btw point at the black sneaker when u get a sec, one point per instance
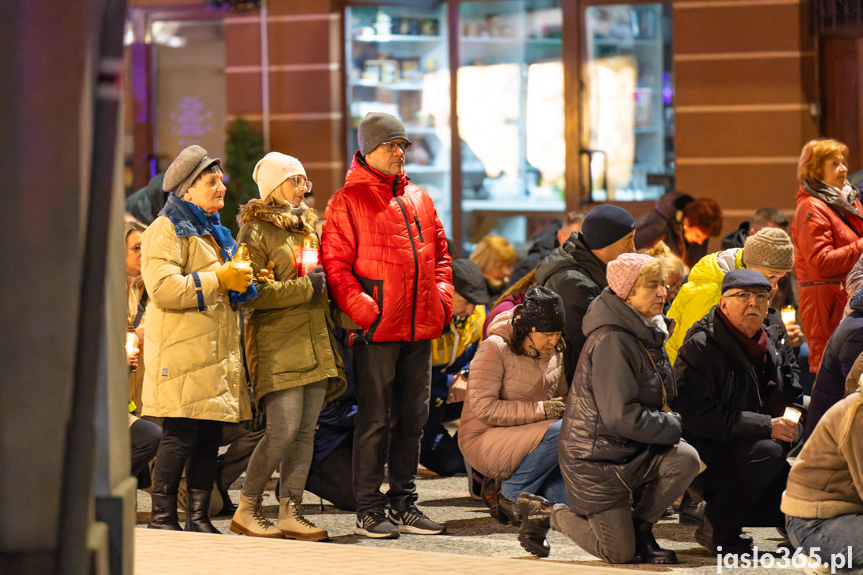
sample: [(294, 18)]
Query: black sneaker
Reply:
[(414, 521), (375, 524)]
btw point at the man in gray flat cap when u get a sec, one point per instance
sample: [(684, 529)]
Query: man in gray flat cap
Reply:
[(194, 375), (388, 269)]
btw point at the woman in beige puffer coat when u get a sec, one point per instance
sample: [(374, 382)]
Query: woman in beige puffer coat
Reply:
[(292, 356), (515, 394)]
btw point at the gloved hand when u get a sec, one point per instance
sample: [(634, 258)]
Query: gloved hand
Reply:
[(553, 408), (266, 275), (234, 278), (318, 278)]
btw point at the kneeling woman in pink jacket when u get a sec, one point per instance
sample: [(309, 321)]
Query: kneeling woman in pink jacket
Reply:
[(515, 395)]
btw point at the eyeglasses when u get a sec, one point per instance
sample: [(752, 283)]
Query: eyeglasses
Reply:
[(391, 146), (746, 296), (300, 182)]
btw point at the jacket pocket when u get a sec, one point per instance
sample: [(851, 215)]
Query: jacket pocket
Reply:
[(374, 288), (286, 345)]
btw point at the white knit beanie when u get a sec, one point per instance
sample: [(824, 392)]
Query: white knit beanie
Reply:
[(273, 169)]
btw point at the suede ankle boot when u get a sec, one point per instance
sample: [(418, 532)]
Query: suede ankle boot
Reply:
[(646, 546), (198, 512), (293, 525), (534, 514), (164, 512), (249, 519)]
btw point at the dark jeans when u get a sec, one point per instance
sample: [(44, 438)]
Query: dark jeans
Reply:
[(330, 478), (743, 486), (393, 382), (145, 436), (192, 440)]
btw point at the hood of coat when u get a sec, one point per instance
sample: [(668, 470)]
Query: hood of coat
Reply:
[(281, 216), (572, 255), (501, 325), (545, 240), (362, 174), (711, 268), (856, 301), (608, 309), (669, 204)]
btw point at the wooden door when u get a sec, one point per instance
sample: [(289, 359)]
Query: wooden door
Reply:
[(842, 61)]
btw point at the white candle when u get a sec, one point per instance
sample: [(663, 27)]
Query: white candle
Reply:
[(792, 414)]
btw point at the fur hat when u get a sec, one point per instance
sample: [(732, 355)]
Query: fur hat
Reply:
[(273, 169), (187, 166), (377, 128), (542, 311), (623, 272), (769, 248), (606, 224)]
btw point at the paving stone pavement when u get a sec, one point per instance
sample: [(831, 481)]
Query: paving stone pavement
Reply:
[(474, 543)]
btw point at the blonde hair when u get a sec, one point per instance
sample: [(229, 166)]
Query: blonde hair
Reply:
[(492, 251), (668, 259), (133, 226), (517, 288), (813, 155)]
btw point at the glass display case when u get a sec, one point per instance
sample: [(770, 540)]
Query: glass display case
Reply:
[(510, 107), (629, 101), (398, 62)]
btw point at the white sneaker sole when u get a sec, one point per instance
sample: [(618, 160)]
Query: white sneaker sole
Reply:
[(420, 531), (390, 535)]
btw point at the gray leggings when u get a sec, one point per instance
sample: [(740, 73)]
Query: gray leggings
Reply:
[(288, 445)]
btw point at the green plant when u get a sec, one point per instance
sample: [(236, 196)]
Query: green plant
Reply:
[(245, 146)]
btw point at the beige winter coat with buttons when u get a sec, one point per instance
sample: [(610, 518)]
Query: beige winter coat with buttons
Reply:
[(503, 418), (193, 364)]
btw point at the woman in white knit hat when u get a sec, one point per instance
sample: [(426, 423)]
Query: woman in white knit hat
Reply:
[(292, 357)]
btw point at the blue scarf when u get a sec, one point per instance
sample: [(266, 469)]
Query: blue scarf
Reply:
[(222, 235)]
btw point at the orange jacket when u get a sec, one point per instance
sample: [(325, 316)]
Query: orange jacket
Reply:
[(385, 255)]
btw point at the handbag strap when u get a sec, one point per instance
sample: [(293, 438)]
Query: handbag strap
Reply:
[(142, 305), (665, 406)]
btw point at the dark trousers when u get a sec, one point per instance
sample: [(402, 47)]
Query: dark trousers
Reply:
[(743, 486), (145, 436), (393, 382), (192, 440), (241, 442), (439, 450), (330, 478)]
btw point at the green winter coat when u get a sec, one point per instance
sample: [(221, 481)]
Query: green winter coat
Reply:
[(699, 294), (289, 341)]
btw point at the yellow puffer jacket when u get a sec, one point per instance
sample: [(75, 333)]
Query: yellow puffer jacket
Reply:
[(193, 364), (700, 293)]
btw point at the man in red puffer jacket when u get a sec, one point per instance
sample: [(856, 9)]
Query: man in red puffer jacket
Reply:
[(385, 255)]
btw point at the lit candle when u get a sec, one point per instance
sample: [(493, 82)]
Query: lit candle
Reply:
[(792, 414), (789, 315), (310, 257), (131, 343), (241, 258)]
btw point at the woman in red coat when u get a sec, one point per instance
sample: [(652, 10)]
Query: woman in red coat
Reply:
[(828, 236)]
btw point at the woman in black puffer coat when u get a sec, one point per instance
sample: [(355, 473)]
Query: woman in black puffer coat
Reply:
[(619, 434)]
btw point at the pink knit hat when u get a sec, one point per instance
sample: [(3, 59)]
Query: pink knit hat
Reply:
[(624, 271)]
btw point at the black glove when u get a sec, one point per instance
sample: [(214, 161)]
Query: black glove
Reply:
[(318, 279)]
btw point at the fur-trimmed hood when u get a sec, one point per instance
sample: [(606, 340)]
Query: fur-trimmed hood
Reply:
[(282, 216)]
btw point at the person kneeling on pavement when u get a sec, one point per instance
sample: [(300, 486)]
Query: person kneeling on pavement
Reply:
[(737, 375), (619, 434), (823, 500), (511, 418)]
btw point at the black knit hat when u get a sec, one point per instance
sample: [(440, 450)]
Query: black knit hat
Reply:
[(606, 224), (542, 311), (745, 278), (468, 281)]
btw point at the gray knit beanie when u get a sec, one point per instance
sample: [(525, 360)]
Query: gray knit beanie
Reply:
[(769, 248), (377, 128), (185, 168)]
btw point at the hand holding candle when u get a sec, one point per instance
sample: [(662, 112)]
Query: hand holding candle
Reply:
[(132, 350), (789, 315)]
